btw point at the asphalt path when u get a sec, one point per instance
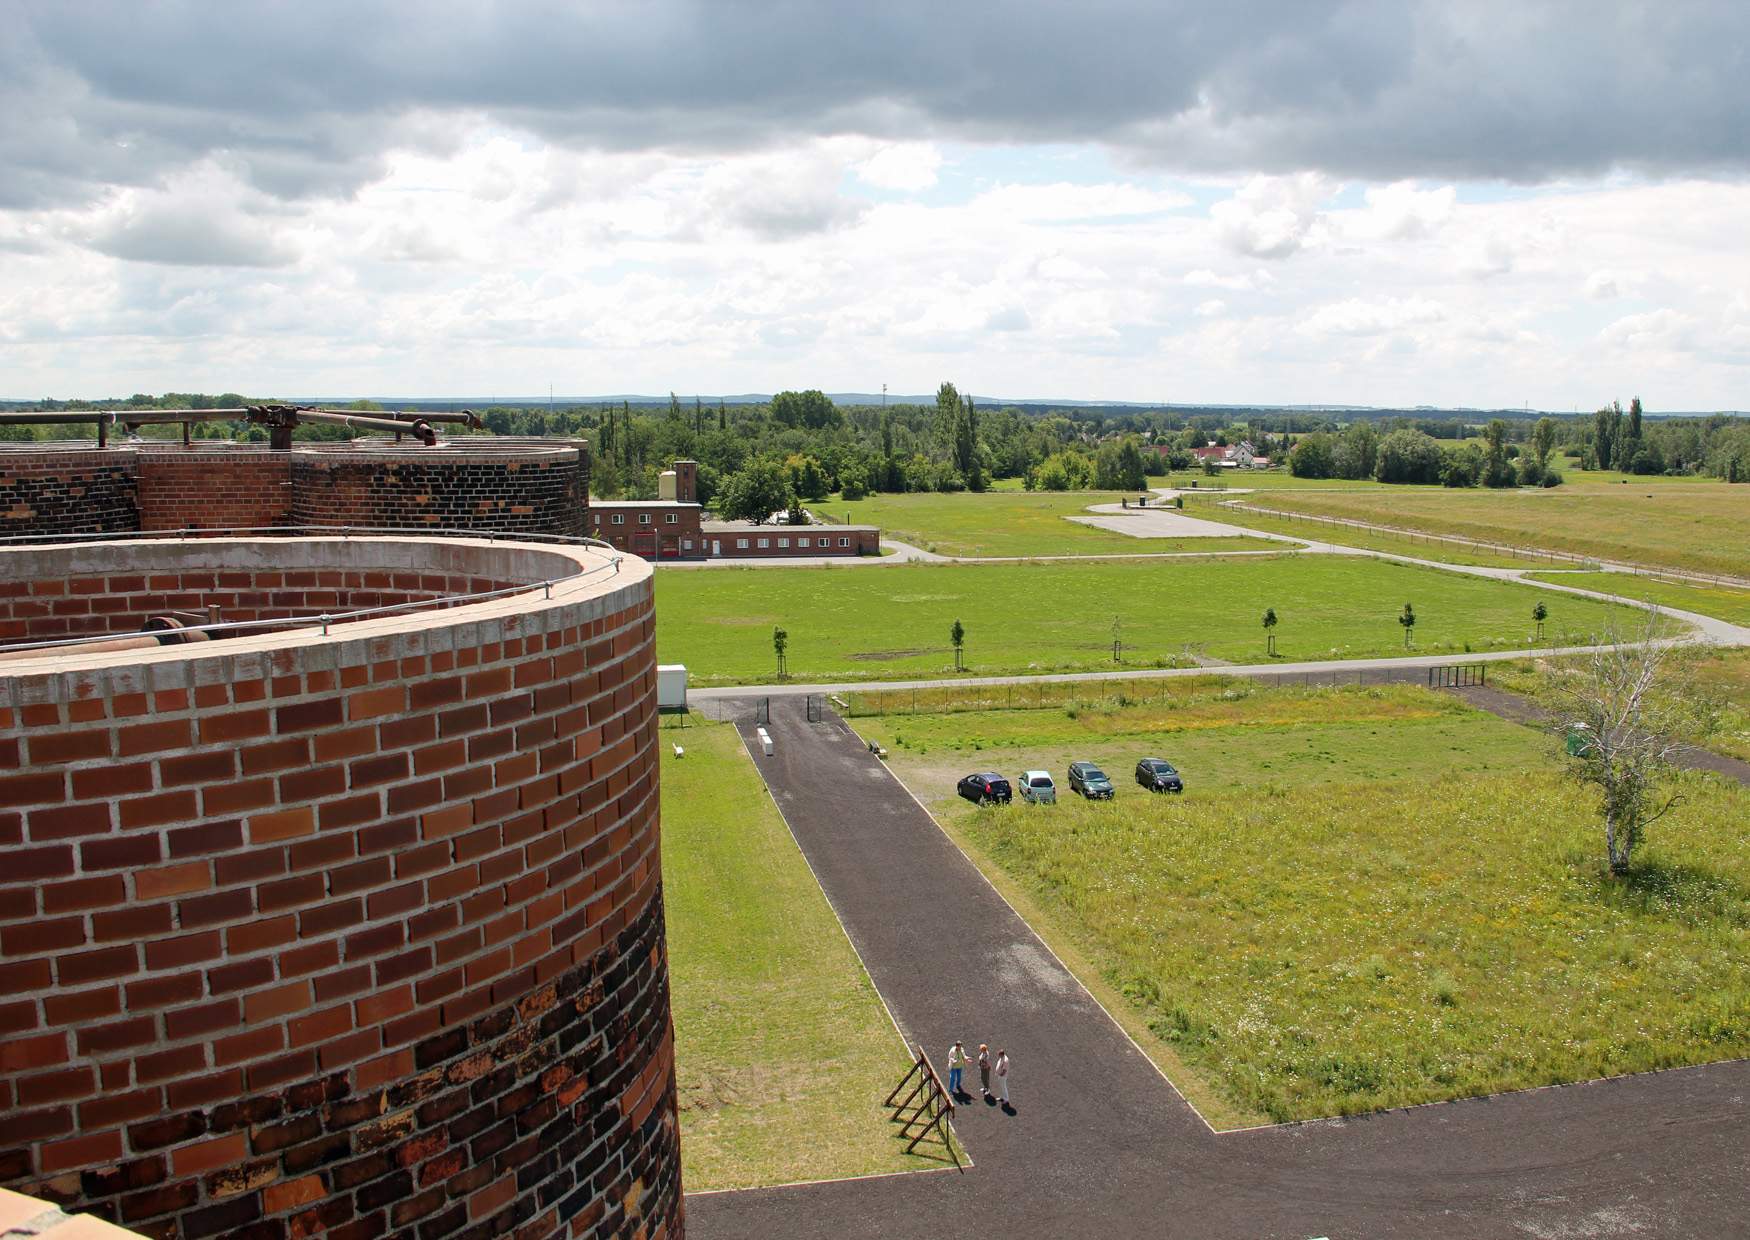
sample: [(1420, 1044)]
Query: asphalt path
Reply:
[(1100, 1144)]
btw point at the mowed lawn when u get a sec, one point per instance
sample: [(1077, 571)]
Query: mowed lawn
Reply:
[(892, 621), (1699, 526), (1724, 602), (1405, 906), (782, 1048), (1013, 523)]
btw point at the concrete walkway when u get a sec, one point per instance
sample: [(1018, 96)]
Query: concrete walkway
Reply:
[(1101, 1145)]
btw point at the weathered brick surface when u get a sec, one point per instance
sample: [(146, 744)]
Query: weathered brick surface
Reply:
[(517, 490), (240, 487), (527, 486), (360, 936), (67, 491), (85, 604)]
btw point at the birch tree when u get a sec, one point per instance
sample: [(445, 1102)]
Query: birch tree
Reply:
[(1620, 711)]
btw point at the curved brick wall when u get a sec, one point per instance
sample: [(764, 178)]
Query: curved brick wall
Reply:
[(67, 490), (516, 486), (523, 487), (359, 934)]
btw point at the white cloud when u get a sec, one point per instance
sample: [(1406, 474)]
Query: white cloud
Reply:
[(1660, 331), (1355, 317), (905, 166), (1063, 201), (1243, 282), (1401, 212), (1271, 217), (1214, 308)]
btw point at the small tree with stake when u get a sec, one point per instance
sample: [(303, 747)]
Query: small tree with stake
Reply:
[(1117, 639), (1539, 614), (1408, 620), (1269, 633), (957, 637), (781, 643)]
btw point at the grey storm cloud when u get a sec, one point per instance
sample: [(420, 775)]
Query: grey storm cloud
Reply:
[(305, 99)]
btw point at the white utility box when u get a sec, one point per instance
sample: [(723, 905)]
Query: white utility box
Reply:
[(671, 686)]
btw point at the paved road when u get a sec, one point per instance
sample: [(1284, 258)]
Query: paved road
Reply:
[(1101, 1145)]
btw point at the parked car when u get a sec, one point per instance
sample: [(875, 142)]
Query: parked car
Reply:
[(1158, 775), (1036, 786), (1090, 781), (986, 787)]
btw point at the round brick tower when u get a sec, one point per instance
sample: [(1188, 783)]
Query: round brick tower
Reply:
[(356, 932)]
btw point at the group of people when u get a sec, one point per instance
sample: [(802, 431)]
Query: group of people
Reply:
[(986, 1067)]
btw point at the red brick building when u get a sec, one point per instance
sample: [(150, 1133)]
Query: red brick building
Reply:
[(673, 528)]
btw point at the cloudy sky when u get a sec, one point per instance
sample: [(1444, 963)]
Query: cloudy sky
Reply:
[(1375, 203)]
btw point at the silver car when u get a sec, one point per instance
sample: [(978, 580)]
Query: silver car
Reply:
[(1036, 786)]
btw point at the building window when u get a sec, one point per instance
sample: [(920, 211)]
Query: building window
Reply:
[(783, 542), (686, 544), (844, 542), (764, 543), (669, 518), (802, 542), (741, 544), (644, 518), (619, 518)]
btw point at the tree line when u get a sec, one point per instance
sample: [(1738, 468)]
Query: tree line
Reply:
[(805, 446)]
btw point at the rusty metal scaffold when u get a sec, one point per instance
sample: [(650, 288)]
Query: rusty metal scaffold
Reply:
[(279, 420)]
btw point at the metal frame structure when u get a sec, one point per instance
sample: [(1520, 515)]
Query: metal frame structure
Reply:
[(280, 420)]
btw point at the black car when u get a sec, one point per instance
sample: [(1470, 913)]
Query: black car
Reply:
[(1090, 781), (985, 788), (1158, 775)]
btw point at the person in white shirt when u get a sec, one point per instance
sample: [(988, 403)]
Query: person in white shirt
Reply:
[(956, 1066), (1003, 1076), (984, 1069)]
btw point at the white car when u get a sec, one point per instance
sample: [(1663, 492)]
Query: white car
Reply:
[(1036, 786)]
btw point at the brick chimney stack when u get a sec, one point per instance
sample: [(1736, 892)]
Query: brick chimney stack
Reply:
[(686, 481)]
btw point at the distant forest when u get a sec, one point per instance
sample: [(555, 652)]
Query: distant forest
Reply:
[(815, 447)]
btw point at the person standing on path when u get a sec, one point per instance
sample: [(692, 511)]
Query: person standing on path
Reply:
[(956, 1065), (1003, 1077), (984, 1069)]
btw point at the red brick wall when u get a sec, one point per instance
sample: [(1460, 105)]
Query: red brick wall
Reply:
[(48, 608), (527, 487), (495, 486), (67, 491), (241, 488), (359, 935)]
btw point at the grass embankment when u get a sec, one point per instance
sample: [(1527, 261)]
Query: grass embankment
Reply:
[(1008, 523), (783, 1050), (864, 624), (1406, 906), (1699, 527), (1717, 709), (1723, 602), (1212, 509)]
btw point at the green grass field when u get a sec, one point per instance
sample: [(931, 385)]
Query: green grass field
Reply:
[(1717, 708), (1709, 600), (1012, 523), (1700, 527), (782, 1046), (866, 623), (1212, 509), (1404, 906)]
